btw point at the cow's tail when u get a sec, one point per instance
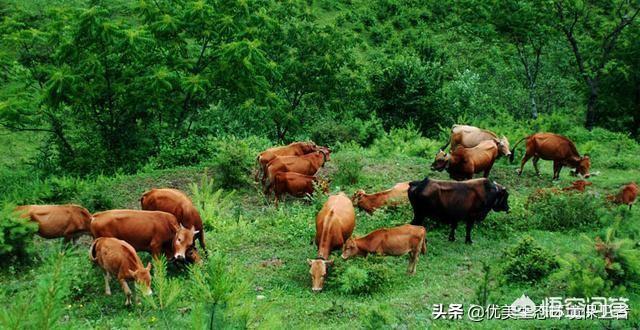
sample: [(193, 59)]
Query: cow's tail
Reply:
[(513, 150), (258, 169), (92, 251)]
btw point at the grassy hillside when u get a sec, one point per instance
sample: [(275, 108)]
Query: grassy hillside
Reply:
[(264, 250)]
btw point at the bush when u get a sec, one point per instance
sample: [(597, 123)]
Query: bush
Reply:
[(350, 163), (527, 262), (232, 161), (363, 132), (60, 190), (361, 277), (190, 150), (553, 211), (214, 205), (16, 236), (407, 142), (377, 317)]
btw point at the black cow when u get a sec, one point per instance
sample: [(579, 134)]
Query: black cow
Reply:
[(451, 201)]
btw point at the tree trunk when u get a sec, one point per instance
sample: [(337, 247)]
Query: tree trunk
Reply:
[(534, 103), (591, 105)]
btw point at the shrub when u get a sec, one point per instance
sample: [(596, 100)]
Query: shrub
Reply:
[(232, 161), (350, 163), (60, 190), (214, 205), (554, 211), (363, 132), (190, 150), (16, 236), (379, 317), (407, 142), (361, 277), (527, 261)]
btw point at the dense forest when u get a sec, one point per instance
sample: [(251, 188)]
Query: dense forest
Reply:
[(103, 100)]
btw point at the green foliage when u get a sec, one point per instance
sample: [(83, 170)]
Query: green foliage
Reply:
[(232, 162), (331, 131), (350, 163), (553, 211), (527, 261), (16, 236), (380, 317), (166, 292), (406, 142), (214, 205), (361, 277)]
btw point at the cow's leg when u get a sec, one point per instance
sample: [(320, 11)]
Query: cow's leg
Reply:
[(524, 161), (413, 259), (535, 164), (468, 236), (107, 289), (418, 219), (488, 169), (557, 166), (424, 246), (127, 291), (452, 233)]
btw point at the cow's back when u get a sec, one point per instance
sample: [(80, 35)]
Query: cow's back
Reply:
[(114, 255), (469, 136), (138, 228), (175, 202), (551, 146), (58, 220), (335, 221), (447, 199)]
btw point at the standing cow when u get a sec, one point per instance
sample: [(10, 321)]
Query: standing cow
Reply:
[(558, 148), (470, 136), (308, 164), (292, 149), (450, 201), (334, 225), (462, 163), (54, 221)]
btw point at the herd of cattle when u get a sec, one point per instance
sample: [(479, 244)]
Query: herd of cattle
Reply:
[(170, 224)]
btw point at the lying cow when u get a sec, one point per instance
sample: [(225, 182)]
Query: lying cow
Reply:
[(54, 221), (177, 203), (151, 231), (396, 241), (554, 147), (397, 195), (471, 136), (334, 225), (295, 184), (449, 202), (627, 195), (292, 149), (307, 164), (578, 185), (119, 259), (463, 163)]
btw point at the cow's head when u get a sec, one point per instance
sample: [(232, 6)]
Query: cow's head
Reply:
[(441, 161), (357, 196), (501, 202), (583, 166), (326, 153), (349, 249), (143, 277), (318, 271), (183, 241), (503, 146), (308, 147)]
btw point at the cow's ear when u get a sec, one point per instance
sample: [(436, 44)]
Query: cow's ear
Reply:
[(309, 261), (196, 232), (131, 273), (329, 262)]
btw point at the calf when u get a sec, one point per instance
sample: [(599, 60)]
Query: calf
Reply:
[(295, 184), (554, 147), (463, 163), (307, 164), (627, 195), (152, 231), (119, 258), (54, 221), (334, 225), (177, 203), (450, 202), (578, 185), (397, 195), (395, 241)]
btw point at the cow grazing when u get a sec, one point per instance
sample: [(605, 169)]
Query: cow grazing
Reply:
[(449, 202), (471, 136), (151, 231), (397, 195), (578, 185), (463, 163), (54, 221), (394, 241), (554, 147), (307, 164), (334, 225), (292, 149), (119, 259), (627, 195), (177, 203), (296, 184)]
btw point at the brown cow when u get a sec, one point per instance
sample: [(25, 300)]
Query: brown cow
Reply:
[(177, 203), (296, 184), (394, 196), (627, 195), (396, 241), (54, 221), (470, 136), (119, 258), (151, 231), (463, 163), (334, 225), (554, 147), (307, 164), (292, 149), (578, 185)]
